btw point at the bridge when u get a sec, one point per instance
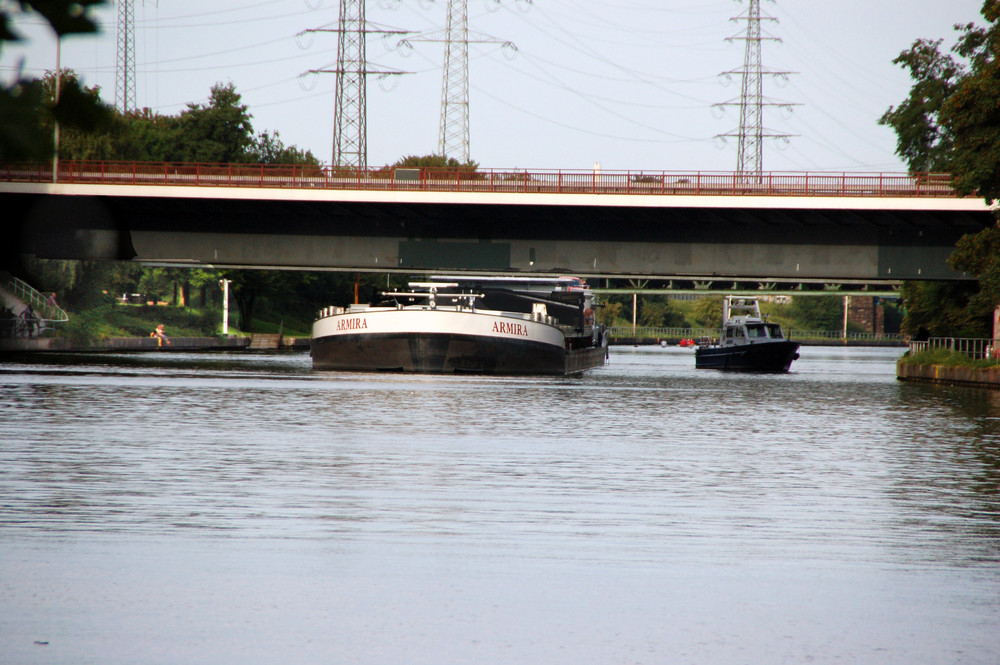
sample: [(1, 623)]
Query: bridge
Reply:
[(864, 228)]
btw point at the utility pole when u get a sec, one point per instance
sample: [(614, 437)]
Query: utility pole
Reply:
[(752, 132), (350, 106), (125, 64)]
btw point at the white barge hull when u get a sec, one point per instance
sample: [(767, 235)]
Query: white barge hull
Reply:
[(441, 340)]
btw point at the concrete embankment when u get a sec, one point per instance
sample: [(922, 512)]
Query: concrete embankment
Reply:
[(974, 377), (120, 344)]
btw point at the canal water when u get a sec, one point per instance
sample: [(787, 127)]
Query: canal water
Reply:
[(241, 508)]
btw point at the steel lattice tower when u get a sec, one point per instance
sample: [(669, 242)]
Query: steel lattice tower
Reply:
[(749, 155), (454, 134), (752, 132), (125, 64), (350, 113)]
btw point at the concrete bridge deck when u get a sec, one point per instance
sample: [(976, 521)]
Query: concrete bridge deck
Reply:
[(873, 227)]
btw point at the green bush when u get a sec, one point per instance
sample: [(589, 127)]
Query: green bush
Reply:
[(942, 356)]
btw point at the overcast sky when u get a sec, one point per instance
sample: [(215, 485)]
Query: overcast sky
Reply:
[(631, 84)]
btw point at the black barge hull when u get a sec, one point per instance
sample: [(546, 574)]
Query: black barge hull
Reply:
[(437, 353)]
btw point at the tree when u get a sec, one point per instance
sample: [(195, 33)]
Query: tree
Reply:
[(439, 165), (25, 110), (921, 139), (217, 132), (707, 312), (435, 162), (89, 133), (818, 312), (951, 122), (930, 310), (269, 149), (658, 312), (609, 312), (978, 254)]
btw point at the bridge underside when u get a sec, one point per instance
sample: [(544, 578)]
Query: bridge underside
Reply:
[(593, 240)]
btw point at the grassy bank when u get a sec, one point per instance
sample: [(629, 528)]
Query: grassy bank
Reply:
[(946, 358), (89, 326)]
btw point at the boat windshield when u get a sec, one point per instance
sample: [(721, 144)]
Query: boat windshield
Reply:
[(774, 330), (756, 330)]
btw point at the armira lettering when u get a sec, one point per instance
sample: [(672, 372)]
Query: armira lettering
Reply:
[(352, 324), (505, 328)]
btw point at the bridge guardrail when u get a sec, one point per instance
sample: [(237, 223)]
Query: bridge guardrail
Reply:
[(548, 181)]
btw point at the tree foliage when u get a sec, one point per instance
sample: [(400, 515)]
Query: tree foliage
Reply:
[(922, 140), (658, 311), (951, 122), (434, 161), (26, 112), (219, 131)]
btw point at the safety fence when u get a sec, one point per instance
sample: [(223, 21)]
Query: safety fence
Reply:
[(645, 333), (460, 179), (974, 348), (26, 312)]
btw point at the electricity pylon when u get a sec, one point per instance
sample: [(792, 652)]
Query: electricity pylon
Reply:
[(453, 138), (125, 63), (454, 134), (350, 107), (752, 132)]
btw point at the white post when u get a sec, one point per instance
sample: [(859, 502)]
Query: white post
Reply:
[(635, 298), (224, 283), (996, 332), (847, 307), (55, 137)]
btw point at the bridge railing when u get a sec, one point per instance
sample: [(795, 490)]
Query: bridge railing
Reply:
[(551, 181)]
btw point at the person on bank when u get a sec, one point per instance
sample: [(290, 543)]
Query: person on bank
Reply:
[(160, 336)]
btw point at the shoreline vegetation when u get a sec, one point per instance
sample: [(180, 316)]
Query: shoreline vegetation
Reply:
[(949, 366), (91, 327), (947, 358)]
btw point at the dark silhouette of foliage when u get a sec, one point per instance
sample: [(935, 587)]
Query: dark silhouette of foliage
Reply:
[(27, 113), (951, 122)]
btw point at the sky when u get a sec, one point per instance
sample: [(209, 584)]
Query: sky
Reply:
[(627, 84)]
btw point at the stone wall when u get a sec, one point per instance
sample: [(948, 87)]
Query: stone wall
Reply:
[(988, 377), (867, 312)]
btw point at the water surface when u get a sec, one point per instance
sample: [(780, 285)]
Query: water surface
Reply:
[(242, 508)]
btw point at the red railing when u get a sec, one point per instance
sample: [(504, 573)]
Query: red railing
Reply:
[(558, 181)]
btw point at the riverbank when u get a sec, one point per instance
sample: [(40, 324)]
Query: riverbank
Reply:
[(114, 344), (117, 344), (620, 340), (953, 375)]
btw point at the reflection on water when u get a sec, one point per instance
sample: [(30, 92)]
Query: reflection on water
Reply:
[(693, 497)]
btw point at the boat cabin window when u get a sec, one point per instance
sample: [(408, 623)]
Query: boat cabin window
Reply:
[(756, 330), (774, 330), (734, 331)]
